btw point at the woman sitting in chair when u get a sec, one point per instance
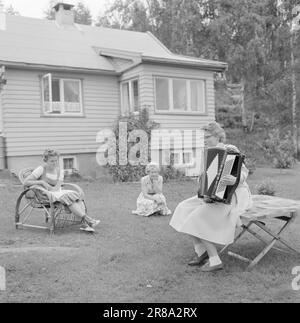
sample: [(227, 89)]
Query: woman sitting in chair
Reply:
[(211, 224), (51, 177), (151, 200)]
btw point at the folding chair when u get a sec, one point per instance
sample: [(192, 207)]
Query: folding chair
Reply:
[(264, 209), (35, 203)]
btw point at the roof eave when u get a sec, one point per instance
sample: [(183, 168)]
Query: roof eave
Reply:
[(23, 65), (215, 67)]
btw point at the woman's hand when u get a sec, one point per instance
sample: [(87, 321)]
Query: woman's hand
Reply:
[(208, 200), (45, 185), (228, 180), (157, 199)]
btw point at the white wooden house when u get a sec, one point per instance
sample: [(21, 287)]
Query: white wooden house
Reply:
[(66, 82)]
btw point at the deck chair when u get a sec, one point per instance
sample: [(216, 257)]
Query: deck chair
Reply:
[(265, 209), (34, 207)]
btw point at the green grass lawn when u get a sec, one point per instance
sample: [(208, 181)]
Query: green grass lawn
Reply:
[(135, 259)]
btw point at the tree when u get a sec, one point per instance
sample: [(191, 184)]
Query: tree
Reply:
[(11, 11), (83, 14), (290, 13), (125, 14), (253, 37), (50, 12)]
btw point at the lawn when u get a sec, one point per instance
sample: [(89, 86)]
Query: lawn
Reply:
[(135, 259)]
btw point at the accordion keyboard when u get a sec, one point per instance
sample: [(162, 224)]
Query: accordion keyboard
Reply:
[(221, 189)]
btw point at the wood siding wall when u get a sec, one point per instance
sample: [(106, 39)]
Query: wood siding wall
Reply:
[(169, 121), (29, 133)]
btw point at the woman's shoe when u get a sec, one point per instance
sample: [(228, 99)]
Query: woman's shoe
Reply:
[(208, 269), (198, 261), (94, 223), (87, 228)]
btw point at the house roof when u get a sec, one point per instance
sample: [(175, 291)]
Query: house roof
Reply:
[(32, 41)]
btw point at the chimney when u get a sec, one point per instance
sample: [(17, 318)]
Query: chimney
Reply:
[(64, 14)]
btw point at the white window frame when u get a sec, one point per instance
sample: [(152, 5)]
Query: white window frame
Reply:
[(61, 162), (191, 153), (180, 154), (62, 97), (171, 109), (131, 96)]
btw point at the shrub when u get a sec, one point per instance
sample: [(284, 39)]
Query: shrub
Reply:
[(130, 173), (229, 117), (280, 149), (266, 188), (127, 173), (170, 173)]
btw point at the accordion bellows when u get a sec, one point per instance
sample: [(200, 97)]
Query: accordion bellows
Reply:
[(218, 162)]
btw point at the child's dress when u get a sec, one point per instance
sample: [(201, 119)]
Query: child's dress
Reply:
[(146, 207)]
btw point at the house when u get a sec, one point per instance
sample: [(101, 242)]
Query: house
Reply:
[(65, 82)]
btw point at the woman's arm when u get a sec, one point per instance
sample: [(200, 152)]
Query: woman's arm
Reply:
[(34, 179), (244, 174)]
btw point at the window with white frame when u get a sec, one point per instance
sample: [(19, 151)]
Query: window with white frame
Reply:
[(130, 99), (174, 95), (180, 158), (61, 96), (68, 164)]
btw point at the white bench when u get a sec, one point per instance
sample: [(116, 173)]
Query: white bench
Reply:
[(266, 208)]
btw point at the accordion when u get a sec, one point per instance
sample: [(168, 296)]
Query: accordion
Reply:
[(219, 162)]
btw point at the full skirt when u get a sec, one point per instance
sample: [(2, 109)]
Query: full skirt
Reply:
[(213, 222), (67, 197), (146, 207)]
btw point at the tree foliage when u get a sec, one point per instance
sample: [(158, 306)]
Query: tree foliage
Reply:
[(12, 11), (253, 37)]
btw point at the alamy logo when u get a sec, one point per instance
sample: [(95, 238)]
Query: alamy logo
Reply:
[(137, 147), (2, 279), (296, 280)]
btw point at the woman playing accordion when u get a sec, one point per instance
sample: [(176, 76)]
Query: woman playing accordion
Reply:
[(211, 224)]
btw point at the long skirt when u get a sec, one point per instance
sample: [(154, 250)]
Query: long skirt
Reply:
[(67, 197), (213, 222), (146, 207)]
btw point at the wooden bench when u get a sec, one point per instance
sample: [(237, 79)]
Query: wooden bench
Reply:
[(266, 208)]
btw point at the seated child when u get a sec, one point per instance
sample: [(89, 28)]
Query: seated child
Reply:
[(151, 200)]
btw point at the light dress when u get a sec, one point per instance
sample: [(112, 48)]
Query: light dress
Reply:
[(213, 222), (67, 197), (147, 207)]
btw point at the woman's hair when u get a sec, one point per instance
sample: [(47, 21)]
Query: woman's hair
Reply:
[(49, 153), (152, 166), (216, 130)]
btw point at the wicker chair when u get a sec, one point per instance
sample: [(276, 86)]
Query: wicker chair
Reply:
[(35, 203)]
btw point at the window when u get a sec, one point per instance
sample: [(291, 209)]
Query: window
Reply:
[(130, 99), (61, 96), (180, 95), (162, 94), (68, 164), (180, 158)]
